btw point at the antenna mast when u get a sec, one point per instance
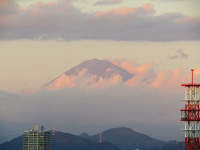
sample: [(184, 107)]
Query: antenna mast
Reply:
[(190, 115), (53, 131), (100, 140)]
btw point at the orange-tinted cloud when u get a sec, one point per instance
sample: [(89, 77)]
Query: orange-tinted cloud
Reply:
[(148, 7), (83, 80), (126, 10), (43, 8), (8, 7), (65, 81), (191, 20), (197, 71), (146, 77), (61, 82), (172, 80), (142, 73), (119, 11)]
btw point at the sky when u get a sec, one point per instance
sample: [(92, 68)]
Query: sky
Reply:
[(158, 40)]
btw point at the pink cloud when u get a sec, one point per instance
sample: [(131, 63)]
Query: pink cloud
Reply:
[(66, 81), (190, 20), (8, 7), (61, 82), (43, 8), (143, 73), (197, 71), (119, 11), (171, 80), (83, 80), (146, 8), (131, 67), (166, 79), (145, 76)]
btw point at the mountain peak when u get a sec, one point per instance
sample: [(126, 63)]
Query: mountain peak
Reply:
[(125, 138), (91, 70), (100, 68), (120, 130)]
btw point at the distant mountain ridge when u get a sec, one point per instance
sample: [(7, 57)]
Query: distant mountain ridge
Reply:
[(99, 69), (126, 138), (112, 139), (63, 141)]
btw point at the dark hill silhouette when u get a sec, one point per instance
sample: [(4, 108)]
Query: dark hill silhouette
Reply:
[(123, 138), (14, 144), (126, 138), (63, 141), (66, 141)]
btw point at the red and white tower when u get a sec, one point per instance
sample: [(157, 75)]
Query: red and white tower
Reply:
[(100, 140), (53, 131), (190, 114)]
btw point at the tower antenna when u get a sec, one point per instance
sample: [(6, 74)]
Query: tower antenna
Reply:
[(192, 75), (100, 140), (190, 115), (53, 131)]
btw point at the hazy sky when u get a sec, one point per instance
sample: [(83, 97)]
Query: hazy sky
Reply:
[(157, 40)]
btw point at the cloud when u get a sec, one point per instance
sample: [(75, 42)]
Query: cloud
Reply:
[(144, 77), (165, 81), (66, 81), (8, 7), (108, 2), (174, 57), (171, 81), (82, 79), (143, 73), (146, 9), (197, 71), (180, 54), (119, 11), (62, 21)]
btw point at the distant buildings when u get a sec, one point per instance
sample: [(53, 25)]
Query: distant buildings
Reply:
[(37, 139)]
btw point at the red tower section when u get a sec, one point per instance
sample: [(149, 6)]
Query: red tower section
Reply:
[(100, 140), (190, 114), (53, 131)]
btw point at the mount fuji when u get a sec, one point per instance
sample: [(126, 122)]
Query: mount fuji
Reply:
[(89, 72)]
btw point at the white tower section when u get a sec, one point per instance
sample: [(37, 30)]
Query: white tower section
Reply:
[(190, 114)]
